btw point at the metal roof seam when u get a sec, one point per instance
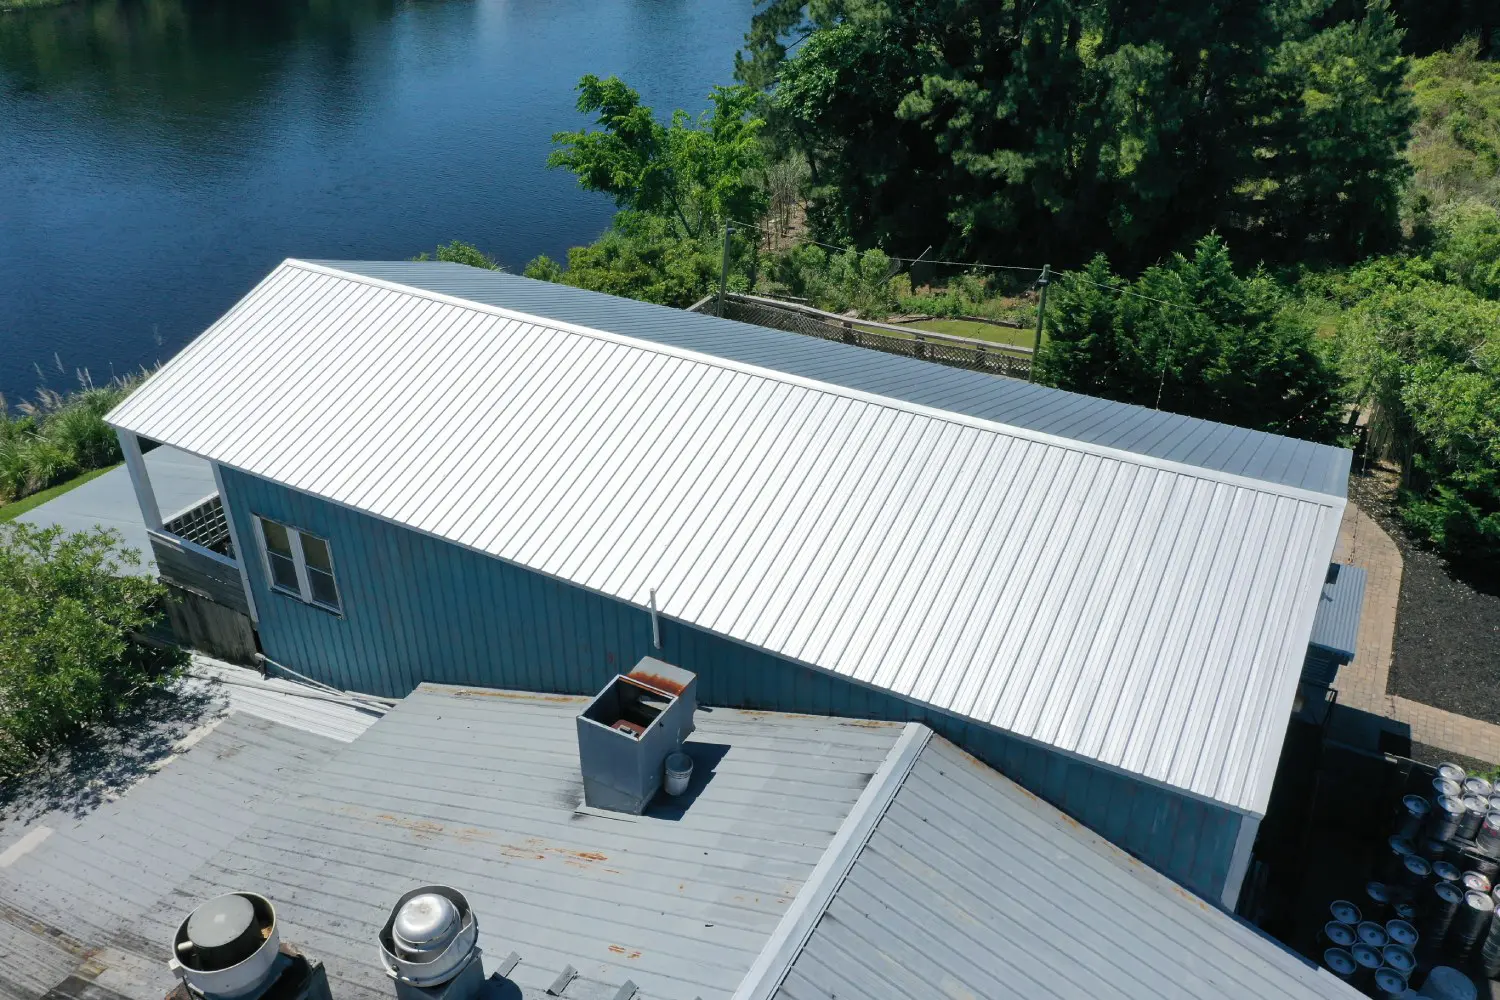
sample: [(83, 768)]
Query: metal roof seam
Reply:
[(1040, 437), (812, 900)]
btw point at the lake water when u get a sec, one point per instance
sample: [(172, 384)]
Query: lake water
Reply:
[(157, 157)]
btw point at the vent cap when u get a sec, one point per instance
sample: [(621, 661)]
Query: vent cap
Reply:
[(227, 947)]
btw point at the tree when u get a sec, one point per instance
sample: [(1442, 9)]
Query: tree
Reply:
[(698, 173), (1192, 337), (1425, 357), (69, 653), (1456, 146), (458, 252), (1058, 128), (641, 256)]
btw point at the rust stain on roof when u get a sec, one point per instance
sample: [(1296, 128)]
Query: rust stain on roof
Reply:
[(514, 695), (620, 950), (656, 682)]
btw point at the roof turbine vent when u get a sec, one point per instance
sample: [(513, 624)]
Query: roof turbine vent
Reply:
[(228, 946), (429, 945)]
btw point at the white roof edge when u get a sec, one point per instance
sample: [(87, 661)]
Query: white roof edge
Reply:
[(812, 900), (936, 413)]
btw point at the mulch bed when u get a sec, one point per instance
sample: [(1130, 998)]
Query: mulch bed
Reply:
[(1447, 649)]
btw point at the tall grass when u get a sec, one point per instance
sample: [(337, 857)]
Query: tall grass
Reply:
[(56, 436)]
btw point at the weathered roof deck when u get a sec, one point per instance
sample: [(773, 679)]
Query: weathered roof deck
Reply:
[(810, 858)]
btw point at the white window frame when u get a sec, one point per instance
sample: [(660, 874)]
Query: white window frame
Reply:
[(304, 592)]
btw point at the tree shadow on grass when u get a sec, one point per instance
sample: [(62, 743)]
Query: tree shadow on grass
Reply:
[(105, 761)]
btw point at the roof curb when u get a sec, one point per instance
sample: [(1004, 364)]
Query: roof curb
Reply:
[(790, 936)]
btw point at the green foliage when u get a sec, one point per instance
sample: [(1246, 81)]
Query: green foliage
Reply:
[(1466, 247), (642, 256), (1056, 129), (57, 437), (1192, 337), (1425, 356), (837, 281), (699, 172), (463, 253), (67, 657), (1456, 145)]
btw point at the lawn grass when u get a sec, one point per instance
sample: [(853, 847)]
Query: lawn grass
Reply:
[(977, 331), (11, 511)]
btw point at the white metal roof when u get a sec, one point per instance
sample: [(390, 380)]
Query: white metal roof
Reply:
[(1134, 610)]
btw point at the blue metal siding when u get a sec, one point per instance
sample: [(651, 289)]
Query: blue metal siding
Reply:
[(419, 609)]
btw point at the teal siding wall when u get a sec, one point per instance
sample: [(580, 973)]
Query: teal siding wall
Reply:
[(418, 609)]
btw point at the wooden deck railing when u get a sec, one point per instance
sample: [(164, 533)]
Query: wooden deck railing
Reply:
[(943, 348), (203, 571)]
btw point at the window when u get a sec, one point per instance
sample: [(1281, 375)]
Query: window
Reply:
[(298, 564)]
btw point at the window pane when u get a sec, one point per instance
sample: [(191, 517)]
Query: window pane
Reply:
[(323, 590), (277, 541), (315, 551), (284, 571)]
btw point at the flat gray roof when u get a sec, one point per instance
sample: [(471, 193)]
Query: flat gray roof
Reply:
[(179, 480), (972, 887), (480, 789), (74, 887), (812, 858), (1336, 625), (1169, 436)]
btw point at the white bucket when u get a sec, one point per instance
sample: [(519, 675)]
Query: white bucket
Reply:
[(679, 773)]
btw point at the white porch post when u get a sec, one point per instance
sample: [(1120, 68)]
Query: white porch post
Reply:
[(241, 554), (140, 480)]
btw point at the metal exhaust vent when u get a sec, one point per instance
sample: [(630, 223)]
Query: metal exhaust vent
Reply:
[(630, 728), (429, 945), (230, 949)]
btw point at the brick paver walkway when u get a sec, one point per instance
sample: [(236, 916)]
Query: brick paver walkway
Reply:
[(1361, 683)]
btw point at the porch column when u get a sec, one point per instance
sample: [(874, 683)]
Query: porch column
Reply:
[(140, 480)]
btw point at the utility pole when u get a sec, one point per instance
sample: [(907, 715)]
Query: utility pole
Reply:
[(1041, 317), (724, 268)]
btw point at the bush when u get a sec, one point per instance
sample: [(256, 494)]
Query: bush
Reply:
[(463, 253), (1192, 337), (643, 257), (838, 281), (1425, 356), (69, 659), (58, 437)]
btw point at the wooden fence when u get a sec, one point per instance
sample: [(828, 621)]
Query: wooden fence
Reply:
[(943, 348)]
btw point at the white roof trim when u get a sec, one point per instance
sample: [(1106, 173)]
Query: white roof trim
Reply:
[(811, 902)]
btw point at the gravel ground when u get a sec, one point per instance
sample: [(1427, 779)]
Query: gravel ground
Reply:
[(1437, 755), (1447, 651)]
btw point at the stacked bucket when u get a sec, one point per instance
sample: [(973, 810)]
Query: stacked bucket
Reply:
[(1432, 900)]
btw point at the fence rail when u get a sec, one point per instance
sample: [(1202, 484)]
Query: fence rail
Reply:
[(203, 571), (943, 348)]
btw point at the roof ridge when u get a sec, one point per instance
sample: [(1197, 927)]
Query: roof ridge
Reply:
[(832, 388), (812, 900)]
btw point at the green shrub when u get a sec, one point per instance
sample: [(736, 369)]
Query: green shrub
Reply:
[(838, 281), (643, 257), (57, 437), (1424, 355), (459, 252), (1190, 336), (69, 658)]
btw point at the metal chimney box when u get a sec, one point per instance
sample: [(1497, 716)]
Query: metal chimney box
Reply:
[(627, 731)]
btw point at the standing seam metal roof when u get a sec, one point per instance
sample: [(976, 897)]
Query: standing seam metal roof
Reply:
[(1220, 447), (1130, 609), (971, 887)]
